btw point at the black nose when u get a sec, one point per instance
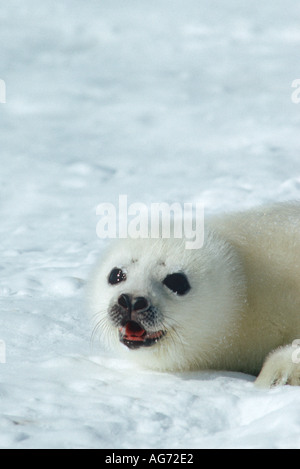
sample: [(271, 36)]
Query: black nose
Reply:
[(125, 301), (141, 304)]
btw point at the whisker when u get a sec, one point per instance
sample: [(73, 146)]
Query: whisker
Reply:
[(100, 327), (172, 330)]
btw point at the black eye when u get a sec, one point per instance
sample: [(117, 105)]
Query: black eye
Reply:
[(178, 283), (116, 276)]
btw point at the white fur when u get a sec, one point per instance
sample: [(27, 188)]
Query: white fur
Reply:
[(244, 300), (281, 367)]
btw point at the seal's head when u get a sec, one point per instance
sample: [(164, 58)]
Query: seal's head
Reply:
[(163, 304)]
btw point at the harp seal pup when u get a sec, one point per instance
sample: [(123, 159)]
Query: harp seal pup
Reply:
[(232, 305)]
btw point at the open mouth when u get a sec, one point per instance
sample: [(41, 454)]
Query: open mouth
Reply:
[(134, 336)]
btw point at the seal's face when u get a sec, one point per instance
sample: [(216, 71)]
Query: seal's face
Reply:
[(140, 295), (164, 306), (140, 322)]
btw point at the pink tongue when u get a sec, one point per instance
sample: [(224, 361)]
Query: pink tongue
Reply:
[(133, 331)]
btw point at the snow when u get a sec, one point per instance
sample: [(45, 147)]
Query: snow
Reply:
[(164, 101)]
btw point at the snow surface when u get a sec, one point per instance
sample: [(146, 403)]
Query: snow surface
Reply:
[(165, 101)]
